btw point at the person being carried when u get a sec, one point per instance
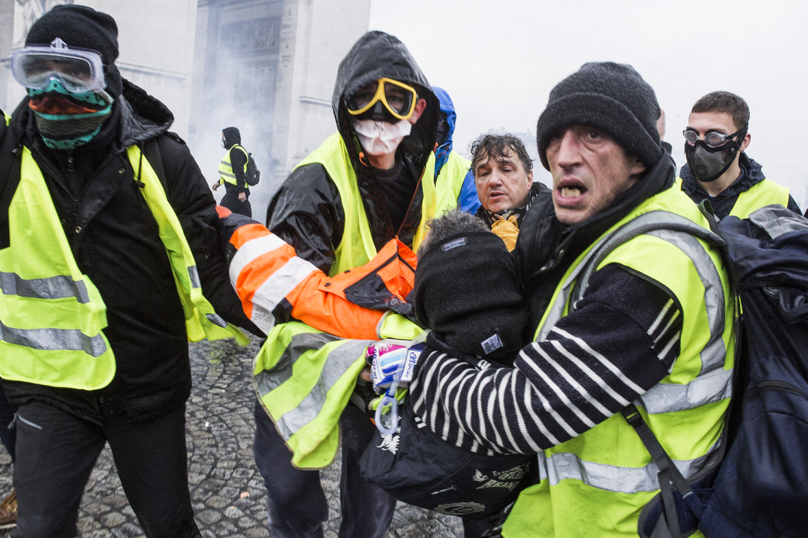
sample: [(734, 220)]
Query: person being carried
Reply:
[(466, 289), (503, 173), (233, 174)]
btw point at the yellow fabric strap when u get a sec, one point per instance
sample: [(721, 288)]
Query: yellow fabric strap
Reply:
[(200, 319)]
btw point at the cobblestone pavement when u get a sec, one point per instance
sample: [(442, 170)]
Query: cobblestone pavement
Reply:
[(227, 490)]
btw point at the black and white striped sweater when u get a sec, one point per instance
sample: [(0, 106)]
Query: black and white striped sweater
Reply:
[(621, 341)]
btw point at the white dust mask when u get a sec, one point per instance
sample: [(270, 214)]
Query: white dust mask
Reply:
[(381, 137)]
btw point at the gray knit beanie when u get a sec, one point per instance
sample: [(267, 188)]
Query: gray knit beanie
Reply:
[(611, 97)]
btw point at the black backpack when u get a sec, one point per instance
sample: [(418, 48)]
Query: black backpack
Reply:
[(253, 174), (760, 487)]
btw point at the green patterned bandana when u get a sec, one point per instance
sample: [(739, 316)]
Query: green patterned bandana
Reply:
[(68, 120)]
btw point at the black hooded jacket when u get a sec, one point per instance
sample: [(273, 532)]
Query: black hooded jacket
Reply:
[(114, 239), (307, 210), (238, 159)]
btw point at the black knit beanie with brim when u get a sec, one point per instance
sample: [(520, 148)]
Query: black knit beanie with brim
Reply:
[(611, 97), (81, 27), (466, 288)]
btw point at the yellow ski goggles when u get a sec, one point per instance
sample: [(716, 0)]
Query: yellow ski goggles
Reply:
[(397, 97)]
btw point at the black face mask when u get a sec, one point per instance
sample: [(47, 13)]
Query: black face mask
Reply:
[(708, 163)]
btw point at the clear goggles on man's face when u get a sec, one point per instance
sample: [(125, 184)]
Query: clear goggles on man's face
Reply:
[(712, 139), (396, 96), (79, 70)]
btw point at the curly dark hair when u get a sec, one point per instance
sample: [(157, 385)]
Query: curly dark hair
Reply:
[(495, 146)]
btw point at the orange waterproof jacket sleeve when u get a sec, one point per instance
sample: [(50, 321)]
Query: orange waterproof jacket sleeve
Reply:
[(276, 286)]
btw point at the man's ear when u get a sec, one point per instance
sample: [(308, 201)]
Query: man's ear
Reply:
[(530, 178), (637, 167), (746, 141), (420, 106)]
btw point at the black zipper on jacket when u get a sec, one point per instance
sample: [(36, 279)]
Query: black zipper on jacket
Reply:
[(775, 385), (45, 164)]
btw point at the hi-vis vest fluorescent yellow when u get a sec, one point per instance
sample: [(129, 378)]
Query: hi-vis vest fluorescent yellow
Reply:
[(357, 247), (764, 193), (451, 176), (51, 315), (226, 167), (596, 484), (304, 377)]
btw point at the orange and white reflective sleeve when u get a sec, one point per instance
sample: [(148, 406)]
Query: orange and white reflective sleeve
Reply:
[(266, 270)]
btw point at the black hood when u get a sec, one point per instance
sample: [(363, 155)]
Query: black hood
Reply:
[(374, 56), (231, 137)]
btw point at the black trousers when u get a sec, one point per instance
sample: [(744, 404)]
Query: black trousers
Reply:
[(8, 431), (296, 503), (56, 452), (231, 202)]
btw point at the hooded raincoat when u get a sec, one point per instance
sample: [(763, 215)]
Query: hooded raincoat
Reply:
[(333, 212), (462, 184)]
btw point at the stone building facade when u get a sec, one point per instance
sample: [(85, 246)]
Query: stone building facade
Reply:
[(265, 66)]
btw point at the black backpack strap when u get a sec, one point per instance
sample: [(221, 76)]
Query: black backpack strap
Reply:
[(151, 151), (669, 476), (10, 168)]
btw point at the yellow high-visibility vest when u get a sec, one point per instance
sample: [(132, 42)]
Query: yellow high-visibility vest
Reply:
[(597, 483), (51, 315)]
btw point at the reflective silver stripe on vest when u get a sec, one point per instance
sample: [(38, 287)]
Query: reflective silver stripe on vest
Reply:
[(705, 389), (228, 174), (337, 362), (714, 353), (282, 281), (193, 274), (713, 383), (567, 466), (216, 319), (55, 287), (54, 340)]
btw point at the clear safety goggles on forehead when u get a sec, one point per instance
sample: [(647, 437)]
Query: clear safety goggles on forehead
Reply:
[(79, 70), (396, 96)]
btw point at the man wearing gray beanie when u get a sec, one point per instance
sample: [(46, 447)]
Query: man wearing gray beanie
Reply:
[(104, 215), (628, 302)]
